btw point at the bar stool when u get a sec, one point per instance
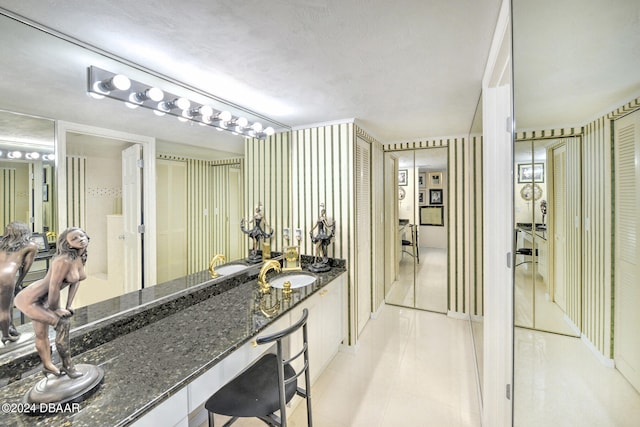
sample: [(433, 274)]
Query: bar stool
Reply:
[(268, 385), (413, 243)]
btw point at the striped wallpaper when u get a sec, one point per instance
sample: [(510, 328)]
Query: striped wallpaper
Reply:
[(597, 316), (8, 195), (302, 169), (323, 165), (268, 181)]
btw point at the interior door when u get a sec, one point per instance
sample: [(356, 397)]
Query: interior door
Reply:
[(627, 263), (132, 213), (559, 236)]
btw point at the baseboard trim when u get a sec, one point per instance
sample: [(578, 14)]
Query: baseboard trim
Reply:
[(609, 363)]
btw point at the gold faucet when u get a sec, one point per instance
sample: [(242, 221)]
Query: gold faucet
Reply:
[(262, 276), (212, 264)]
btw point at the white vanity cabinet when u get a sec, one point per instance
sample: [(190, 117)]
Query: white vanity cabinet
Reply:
[(326, 329), (326, 326)]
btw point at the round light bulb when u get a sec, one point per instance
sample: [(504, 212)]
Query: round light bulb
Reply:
[(257, 126), (120, 82), (269, 131), (242, 122), (183, 103), (225, 116), (154, 94), (206, 111)]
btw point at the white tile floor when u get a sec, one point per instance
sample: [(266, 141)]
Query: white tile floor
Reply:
[(558, 381), (422, 285), (411, 368)]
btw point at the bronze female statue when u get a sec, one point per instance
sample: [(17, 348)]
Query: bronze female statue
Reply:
[(41, 300), (257, 232), (326, 231), (16, 257)]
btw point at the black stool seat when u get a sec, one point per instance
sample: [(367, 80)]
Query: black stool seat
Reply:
[(264, 389), (526, 251), (254, 392)]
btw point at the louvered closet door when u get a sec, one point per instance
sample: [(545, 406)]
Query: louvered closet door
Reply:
[(363, 236), (627, 263)]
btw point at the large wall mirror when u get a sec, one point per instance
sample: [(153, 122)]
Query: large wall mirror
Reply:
[(416, 224), (575, 78), (190, 193), (476, 315)]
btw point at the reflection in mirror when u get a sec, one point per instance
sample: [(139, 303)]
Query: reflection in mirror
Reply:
[(572, 87), (200, 222), (476, 296), (27, 189), (418, 276), (539, 209), (27, 150)]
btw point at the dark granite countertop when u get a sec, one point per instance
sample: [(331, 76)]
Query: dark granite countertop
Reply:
[(146, 365), (101, 322)]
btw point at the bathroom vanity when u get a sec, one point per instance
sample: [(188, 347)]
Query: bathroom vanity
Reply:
[(163, 359)]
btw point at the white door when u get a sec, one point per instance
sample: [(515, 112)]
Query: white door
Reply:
[(363, 234), (627, 262), (132, 213), (559, 225)]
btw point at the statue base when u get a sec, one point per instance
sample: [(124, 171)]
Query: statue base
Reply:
[(254, 258), (319, 267), (53, 391)]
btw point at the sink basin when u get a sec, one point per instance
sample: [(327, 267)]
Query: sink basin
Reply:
[(297, 280), (230, 269)]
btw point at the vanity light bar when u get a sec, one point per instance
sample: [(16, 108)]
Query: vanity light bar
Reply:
[(102, 83), (31, 155)]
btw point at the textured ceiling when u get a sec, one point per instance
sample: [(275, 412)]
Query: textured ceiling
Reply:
[(404, 69), (574, 60)]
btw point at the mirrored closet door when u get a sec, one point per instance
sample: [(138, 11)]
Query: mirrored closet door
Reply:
[(416, 229), (542, 239)]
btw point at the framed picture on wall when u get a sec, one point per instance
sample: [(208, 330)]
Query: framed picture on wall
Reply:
[(435, 179), (402, 177), (422, 197), (422, 180), (432, 215), (528, 172), (435, 197)]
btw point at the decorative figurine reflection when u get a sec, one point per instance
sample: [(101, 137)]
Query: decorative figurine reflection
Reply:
[(326, 231), (41, 300), (257, 233), (17, 253)]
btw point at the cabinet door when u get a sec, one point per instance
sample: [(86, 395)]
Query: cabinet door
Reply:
[(331, 302), (314, 331)]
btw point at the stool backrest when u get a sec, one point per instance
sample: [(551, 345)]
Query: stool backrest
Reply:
[(303, 352)]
